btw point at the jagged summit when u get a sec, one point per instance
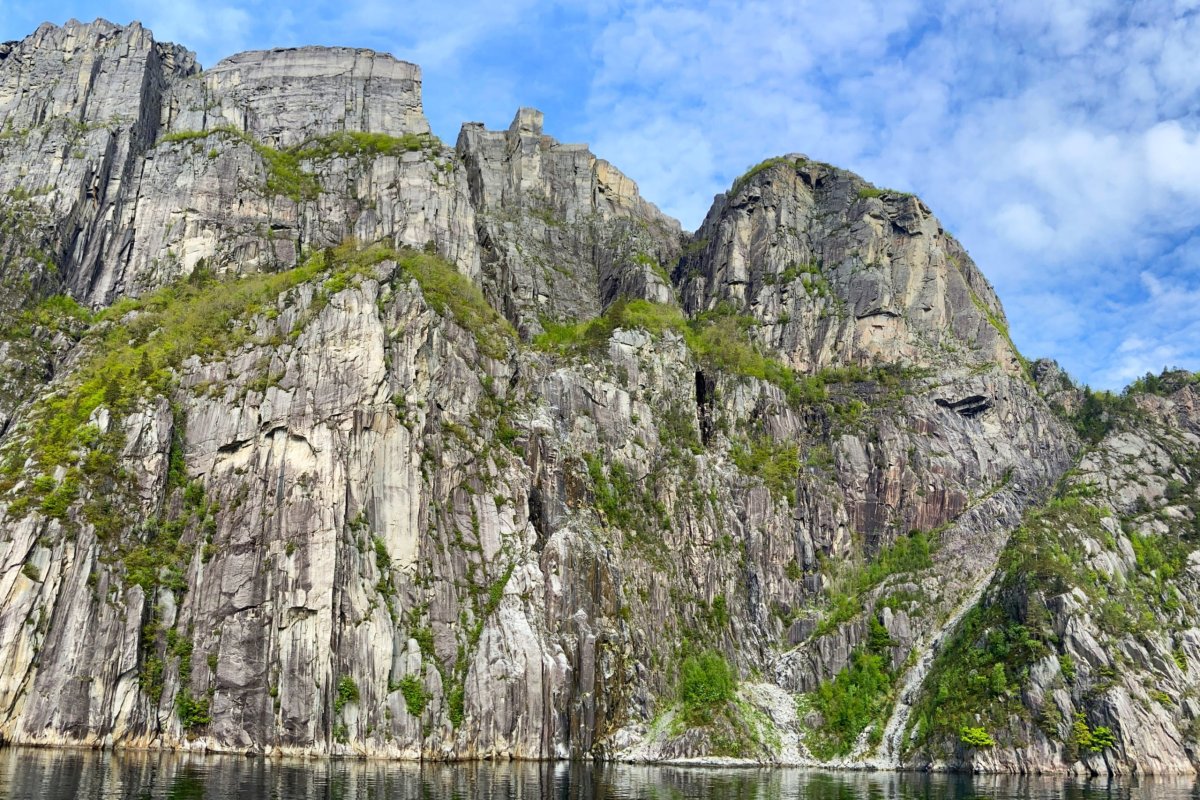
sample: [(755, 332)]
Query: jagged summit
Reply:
[(543, 203)]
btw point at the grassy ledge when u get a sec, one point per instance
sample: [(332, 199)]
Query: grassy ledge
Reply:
[(285, 172)]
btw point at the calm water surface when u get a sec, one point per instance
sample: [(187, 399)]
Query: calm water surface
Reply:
[(54, 774)]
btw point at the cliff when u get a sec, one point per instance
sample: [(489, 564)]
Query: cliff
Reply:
[(318, 435)]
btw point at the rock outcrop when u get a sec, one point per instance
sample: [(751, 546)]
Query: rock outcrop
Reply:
[(1086, 641), (319, 436), (566, 233)]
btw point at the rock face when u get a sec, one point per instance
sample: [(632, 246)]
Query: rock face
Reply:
[(1096, 597), (318, 436), (288, 96), (836, 271), (567, 234)]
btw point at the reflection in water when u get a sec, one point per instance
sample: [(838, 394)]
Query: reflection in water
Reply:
[(55, 774)]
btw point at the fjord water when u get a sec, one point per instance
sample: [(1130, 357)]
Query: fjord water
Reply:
[(92, 775)]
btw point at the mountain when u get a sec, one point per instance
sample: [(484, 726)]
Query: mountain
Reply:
[(318, 435)]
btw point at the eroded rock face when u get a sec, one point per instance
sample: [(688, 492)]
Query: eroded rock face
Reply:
[(837, 271), (567, 233), (1102, 584), (357, 512), (288, 96)]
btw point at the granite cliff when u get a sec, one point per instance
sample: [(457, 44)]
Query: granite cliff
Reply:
[(318, 435)]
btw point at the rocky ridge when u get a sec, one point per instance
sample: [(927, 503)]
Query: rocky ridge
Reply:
[(320, 436)]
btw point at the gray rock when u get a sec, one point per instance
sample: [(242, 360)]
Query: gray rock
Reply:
[(354, 529)]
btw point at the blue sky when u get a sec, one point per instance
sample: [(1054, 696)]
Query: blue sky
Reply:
[(1060, 141)]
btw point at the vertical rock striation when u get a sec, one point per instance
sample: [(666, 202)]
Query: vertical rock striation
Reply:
[(318, 436)]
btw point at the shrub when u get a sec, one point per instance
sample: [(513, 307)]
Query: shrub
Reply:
[(976, 737), (347, 692), (383, 559), (1093, 740), (414, 694), (705, 681), (777, 464), (1100, 412), (193, 711), (866, 192), (496, 591), (627, 503), (1102, 737), (455, 705), (907, 555), (761, 166), (447, 290), (1067, 664)]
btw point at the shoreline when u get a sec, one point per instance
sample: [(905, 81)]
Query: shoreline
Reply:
[(695, 762)]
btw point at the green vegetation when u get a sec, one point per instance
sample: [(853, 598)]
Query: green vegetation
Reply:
[(1092, 740), (285, 172), (1001, 327), (761, 166), (720, 340), (976, 737), (706, 683), (383, 560), (857, 697), (978, 677), (415, 697), (455, 695), (866, 192), (449, 291), (357, 144), (424, 639), (1101, 412), (150, 677), (135, 348), (593, 335), (809, 274), (285, 176), (1066, 665), (31, 571), (707, 698), (1166, 383), (496, 591), (906, 556), (649, 261), (56, 314), (193, 711), (628, 503), (1163, 556), (776, 463), (347, 693)]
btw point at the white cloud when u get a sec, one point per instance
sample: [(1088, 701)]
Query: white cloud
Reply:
[(204, 27), (1173, 157)]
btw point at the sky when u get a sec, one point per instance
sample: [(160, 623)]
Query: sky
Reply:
[(1059, 140)]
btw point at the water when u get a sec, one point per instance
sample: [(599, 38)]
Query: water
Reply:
[(60, 774)]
